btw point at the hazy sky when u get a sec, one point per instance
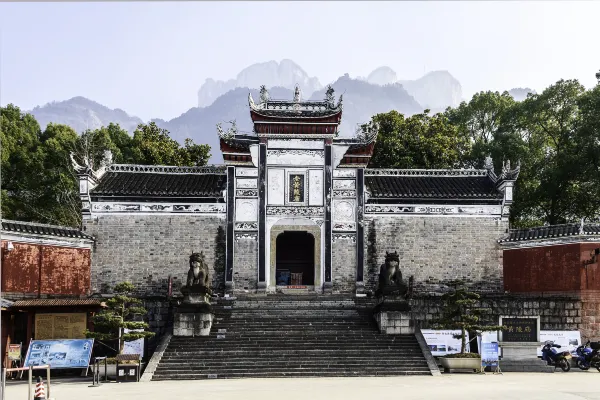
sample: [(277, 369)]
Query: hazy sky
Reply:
[(150, 58)]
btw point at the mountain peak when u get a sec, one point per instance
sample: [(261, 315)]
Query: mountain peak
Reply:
[(382, 76), (285, 73)]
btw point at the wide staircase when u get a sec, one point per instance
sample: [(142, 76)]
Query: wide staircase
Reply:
[(291, 336)]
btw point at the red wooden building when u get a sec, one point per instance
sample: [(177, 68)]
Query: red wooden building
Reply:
[(557, 259), (45, 282)]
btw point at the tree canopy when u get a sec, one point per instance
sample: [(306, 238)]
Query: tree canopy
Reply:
[(38, 180)]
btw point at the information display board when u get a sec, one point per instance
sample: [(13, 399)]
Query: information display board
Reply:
[(14, 352), (60, 326), (65, 353), (442, 342), (519, 329), (489, 354)]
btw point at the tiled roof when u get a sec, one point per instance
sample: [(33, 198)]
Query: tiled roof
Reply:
[(4, 304), (551, 231), (428, 185), (43, 229), (147, 181), (56, 303)]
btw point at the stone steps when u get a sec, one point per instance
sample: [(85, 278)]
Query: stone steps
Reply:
[(291, 336)]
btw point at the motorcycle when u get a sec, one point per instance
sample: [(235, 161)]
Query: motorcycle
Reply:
[(556, 358), (584, 355), (594, 355)]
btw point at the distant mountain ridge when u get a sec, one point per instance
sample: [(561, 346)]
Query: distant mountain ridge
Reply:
[(81, 114), (286, 74)]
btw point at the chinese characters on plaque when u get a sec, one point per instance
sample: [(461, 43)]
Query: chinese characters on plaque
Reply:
[(296, 189), (520, 330)]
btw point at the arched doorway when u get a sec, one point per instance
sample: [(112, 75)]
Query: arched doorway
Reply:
[(295, 258)]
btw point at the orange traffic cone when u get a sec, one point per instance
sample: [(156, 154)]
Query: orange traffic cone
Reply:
[(40, 390)]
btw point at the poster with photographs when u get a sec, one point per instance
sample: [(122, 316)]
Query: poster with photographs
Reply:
[(442, 342), (66, 353)]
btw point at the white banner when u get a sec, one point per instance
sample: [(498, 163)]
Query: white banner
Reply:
[(442, 342), (134, 346), (568, 340)]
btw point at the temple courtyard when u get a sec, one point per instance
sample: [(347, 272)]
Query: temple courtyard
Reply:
[(573, 385)]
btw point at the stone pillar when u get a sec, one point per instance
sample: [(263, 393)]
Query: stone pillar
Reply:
[(328, 283), (262, 217), (360, 231), (230, 234)]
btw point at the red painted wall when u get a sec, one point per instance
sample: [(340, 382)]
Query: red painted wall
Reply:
[(64, 270), (558, 268)]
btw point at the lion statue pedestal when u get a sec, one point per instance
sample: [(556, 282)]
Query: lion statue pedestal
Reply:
[(392, 311), (194, 316)]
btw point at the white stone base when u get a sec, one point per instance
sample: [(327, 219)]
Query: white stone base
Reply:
[(192, 324), (395, 322)]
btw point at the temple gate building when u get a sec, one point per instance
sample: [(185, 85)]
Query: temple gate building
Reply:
[(295, 208)]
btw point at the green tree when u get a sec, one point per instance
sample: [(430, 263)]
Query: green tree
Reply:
[(460, 312), (549, 121), (484, 120), (153, 145), (123, 312), (419, 141)]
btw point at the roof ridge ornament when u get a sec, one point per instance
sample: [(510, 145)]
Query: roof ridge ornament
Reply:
[(329, 97), (297, 94), (229, 133), (264, 94)]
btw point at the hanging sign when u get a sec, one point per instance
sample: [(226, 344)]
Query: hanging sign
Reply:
[(14, 352)]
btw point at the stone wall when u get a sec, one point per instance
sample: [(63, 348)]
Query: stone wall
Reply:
[(146, 249), (436, 250), (245, 264), (343, 263), (557, 312)]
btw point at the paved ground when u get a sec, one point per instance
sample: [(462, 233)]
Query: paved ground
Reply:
[(530, 386)]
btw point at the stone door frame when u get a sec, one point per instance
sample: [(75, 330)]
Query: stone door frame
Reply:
[(314, 230)]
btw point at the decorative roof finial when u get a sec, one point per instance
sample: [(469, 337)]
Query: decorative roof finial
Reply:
[(581, 231), (488, 163), (297, 94), (108, 158), (264, 94), (598, 76), (329, 97), (506, 167)]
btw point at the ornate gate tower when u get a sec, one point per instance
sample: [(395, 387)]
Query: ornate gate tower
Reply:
[(294, 198)]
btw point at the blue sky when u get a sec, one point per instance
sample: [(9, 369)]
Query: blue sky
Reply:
[(150, 58)]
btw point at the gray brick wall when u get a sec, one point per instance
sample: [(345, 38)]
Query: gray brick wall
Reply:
[(436, 250), (245, 265), (343, 265), (145, 249)]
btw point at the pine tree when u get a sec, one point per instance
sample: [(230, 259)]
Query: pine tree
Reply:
[(122, 310)]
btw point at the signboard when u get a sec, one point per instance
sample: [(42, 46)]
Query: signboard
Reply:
[(519, 329), (489, 354), (569, 340), (60, 326), (14, 352), (442, 342), (66, 353), (134, 346)]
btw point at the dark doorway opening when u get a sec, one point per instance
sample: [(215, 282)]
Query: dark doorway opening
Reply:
[(295, 260)]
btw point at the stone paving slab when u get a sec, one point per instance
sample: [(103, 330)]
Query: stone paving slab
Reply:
[(575, 385)]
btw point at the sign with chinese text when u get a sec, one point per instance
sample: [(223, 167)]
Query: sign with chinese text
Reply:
[(66, 353), (489, 354), (296, 190), (519, 329), (14, 352), (60, 326), (568, 340), (442, 342)]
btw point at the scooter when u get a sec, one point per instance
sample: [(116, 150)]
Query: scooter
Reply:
[(556, 358)]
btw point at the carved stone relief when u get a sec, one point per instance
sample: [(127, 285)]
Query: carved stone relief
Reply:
[(246, 209), (276, 189), (246, 193), (295, 157), (295, 211), (247, 183), (315, 186), (344, 173), (344, 184), (246, 172), (343, 210)]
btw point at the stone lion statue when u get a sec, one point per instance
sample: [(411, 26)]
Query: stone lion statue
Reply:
[(198, 273), (390, 277)]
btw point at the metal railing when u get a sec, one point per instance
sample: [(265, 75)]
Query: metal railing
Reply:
[(96, 371), (30, 369)]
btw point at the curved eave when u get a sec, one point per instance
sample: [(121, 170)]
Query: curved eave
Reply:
[(334, 116)]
